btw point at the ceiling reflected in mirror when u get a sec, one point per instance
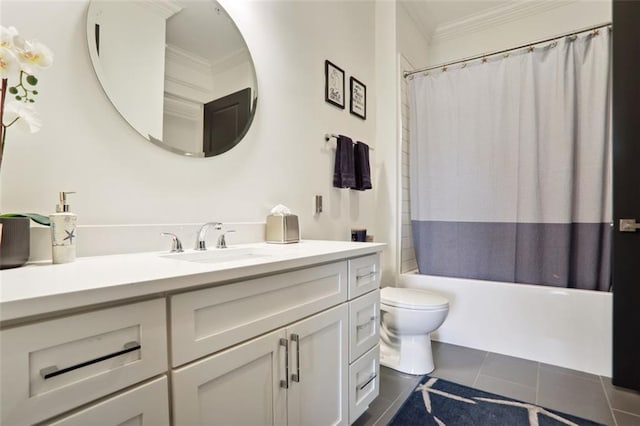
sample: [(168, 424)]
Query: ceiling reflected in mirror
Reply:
[(180, 73)]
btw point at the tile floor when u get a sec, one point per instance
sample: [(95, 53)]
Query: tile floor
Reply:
[(573, 392)]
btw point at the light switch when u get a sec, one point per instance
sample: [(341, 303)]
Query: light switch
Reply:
[(318, 204)]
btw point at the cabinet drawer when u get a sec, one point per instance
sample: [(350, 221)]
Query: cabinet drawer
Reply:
[(146, 405), (364, 324), (364, 275), (206, 321), (53, 366), (364, 383)]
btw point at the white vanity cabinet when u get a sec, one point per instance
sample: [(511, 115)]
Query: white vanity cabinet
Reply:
[(293, 341), (296, 375), (320, 370)]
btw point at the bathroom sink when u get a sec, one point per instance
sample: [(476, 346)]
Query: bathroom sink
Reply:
[(220, 255)]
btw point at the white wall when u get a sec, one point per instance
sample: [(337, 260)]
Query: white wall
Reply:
[(387, 115), (120, 178), (413, 48), (412, 44)]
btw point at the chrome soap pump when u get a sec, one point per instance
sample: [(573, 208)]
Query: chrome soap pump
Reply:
[(63, 232)]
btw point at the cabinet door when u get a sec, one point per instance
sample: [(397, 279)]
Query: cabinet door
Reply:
[(146, 405), (240, 386), (319, 353)]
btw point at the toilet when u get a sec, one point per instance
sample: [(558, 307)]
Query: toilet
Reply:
[(408, 316)]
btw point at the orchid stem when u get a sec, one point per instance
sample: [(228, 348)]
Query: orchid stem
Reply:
[(3, 128)]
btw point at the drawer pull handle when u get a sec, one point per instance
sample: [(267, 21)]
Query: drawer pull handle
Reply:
[(296, 377), (53, 371), (370, 274), (371, 379), (366, 324), (285, 383)]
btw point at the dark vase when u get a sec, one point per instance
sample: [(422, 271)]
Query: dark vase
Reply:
[(14, 241)]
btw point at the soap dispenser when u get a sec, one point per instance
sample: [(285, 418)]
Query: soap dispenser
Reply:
[(63, 232)]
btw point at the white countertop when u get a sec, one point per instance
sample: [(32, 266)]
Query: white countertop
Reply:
[(41, 288)]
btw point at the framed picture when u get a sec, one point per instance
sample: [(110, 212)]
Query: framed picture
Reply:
[(358, 104), (334, 84)]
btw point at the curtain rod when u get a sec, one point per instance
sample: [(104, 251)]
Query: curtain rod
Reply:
[(497, 52)]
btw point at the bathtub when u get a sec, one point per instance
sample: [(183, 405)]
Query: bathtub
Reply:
[(565, 327)]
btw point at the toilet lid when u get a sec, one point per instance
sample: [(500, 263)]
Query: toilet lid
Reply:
[(412, 298)]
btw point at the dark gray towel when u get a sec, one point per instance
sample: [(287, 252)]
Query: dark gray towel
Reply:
[(344, 173), (362, 167)]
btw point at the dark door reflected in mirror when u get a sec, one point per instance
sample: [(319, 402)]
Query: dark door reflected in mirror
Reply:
[(225, 121), (180, 73)]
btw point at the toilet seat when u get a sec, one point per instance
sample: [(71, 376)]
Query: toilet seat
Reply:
[(411, 298)]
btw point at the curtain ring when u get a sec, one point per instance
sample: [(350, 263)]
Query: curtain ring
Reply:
[(573, 37), (426, 73), (411, 77), (464, 64), (530, 49), (484, 59), (444, 69)]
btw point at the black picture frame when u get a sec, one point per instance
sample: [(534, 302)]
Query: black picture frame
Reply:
[(358, 104), (334, 84)]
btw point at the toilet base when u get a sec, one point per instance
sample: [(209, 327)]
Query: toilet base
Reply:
[(408, 354)]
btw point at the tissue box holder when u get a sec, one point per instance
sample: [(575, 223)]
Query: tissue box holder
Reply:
[(282, 229)]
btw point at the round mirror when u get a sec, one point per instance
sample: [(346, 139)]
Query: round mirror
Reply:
[(179, 72)]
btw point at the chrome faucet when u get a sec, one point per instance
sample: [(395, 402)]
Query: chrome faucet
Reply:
[(200, 242), (222, 242)]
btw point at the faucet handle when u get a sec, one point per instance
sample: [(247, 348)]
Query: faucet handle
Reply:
[(222, 242), (176, 245)]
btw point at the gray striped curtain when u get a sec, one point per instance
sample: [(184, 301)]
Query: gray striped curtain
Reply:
[(510, 166)]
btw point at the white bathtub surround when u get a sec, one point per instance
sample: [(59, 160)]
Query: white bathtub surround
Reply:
[(565, 327)]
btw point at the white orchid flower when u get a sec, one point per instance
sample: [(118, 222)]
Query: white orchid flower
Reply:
[(9, 37), (23, 115), (35, 54), (9, 64)]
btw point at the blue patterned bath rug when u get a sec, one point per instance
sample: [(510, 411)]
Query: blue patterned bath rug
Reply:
[(437, 402)]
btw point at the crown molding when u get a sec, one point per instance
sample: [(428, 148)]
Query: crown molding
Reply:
[(231, 60), (183, 108), (495, 16), (187, 59)]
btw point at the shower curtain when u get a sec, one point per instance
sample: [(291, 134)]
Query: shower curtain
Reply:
[(510, 166)]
